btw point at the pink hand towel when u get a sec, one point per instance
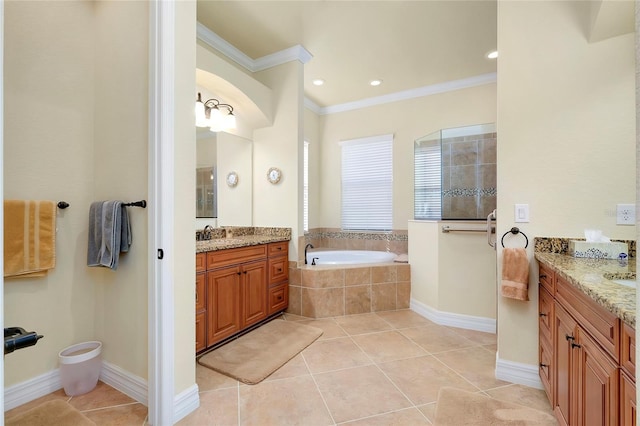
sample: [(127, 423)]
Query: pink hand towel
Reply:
[(515, 273)]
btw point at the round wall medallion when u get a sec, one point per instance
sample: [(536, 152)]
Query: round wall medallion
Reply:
[(232, 179), (274, 175)]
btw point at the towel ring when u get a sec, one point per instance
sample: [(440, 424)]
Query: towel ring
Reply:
[(515, 231)]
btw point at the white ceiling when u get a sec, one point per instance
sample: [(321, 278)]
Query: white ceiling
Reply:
[(407, 44)]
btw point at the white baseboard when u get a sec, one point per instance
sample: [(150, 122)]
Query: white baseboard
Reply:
[(488, 325), (185, 403), (515, 372), (31, 389), (129, 384), (121, 380)]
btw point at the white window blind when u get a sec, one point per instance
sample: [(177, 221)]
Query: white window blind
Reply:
[(427, 181), (305, 200), (367, 183)]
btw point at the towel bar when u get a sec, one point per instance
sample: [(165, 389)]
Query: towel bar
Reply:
[(141, 203)]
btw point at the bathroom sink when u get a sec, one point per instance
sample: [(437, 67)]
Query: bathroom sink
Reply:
[(625, 279), (626, 283)]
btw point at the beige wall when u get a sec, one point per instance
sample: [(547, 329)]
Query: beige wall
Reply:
[(88, 142), (235, 203), (452, 272), (312, 134), (566, 138), (184, 160), (280, 145), (407, 120)]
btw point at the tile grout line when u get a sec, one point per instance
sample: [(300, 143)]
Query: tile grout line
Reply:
[(326, 406)]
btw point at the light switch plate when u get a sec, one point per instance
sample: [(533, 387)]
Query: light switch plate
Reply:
[(522, 213), (626, 214)]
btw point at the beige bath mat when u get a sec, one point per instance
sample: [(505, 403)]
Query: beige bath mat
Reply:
[(50, 413), (254, 356), (456, 407)]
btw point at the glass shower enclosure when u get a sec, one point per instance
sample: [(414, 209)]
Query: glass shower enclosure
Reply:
[(455, 174)]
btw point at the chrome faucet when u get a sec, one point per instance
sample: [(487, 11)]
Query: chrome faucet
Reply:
[(305, 252), (207, 232)]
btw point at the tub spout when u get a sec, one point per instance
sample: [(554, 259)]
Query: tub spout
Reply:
[(308, 246)]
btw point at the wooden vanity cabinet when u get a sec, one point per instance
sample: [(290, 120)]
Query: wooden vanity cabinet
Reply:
[(278, 299), (201, 327), (584, 379), (239, 289)]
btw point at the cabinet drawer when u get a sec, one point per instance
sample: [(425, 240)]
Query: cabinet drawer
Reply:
[(201, 261), (547, 278), (278, 249), (200, 296), (201, 331), (278, 270), (278, 298), (219, 258), (628, 355), (545, 315), (601, 324)]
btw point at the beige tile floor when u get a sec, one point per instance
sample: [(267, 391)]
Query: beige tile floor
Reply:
[(381, 368)]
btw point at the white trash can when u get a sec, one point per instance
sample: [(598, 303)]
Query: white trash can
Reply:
[(80, 367)]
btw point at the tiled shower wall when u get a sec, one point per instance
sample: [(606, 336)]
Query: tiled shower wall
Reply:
[(468, 176)]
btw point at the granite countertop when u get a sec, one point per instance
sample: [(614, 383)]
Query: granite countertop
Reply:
[(593, 277), (235, 242)]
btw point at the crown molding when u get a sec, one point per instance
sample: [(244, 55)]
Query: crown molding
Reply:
[(299, 53), (294, 53), (419, 92)]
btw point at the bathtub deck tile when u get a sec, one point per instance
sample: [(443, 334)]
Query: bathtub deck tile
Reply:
[(357, 299), (383, 297), (357, 276)]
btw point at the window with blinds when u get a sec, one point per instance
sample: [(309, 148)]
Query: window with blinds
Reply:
[(367, 183), (305, 199), (427, 181)]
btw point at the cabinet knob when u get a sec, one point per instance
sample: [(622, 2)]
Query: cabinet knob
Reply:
[(543, 276), (569, 337), (542, 314), (279, 248), (238, 273), (279, 297), (544, 365), (575, 345), (279, 269)]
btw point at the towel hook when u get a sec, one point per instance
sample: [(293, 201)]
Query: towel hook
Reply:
[(63, 204), (515, 231)]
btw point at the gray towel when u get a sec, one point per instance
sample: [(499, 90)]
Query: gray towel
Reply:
[(109, 233)]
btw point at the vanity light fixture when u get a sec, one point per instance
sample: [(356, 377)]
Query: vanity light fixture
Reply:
[(210, 114)]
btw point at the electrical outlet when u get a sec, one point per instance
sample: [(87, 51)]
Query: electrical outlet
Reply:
[(626, 214)]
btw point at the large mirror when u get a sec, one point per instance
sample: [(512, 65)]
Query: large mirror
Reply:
[(219, 154)]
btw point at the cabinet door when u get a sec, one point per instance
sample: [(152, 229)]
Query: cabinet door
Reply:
[(564, 335), (201, 332), (597, 384), (200, 295), (254, 293), (627, 401), (223, 303)]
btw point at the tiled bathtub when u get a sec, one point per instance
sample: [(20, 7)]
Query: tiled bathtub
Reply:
[(329, 291)]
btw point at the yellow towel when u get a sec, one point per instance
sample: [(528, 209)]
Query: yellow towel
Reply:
[(515, 273), (29, 238)]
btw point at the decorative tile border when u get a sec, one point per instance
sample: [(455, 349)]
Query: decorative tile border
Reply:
[(401, 235), (469, 192)]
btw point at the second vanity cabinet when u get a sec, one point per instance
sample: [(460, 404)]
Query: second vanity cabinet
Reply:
[(239, 289), (587, 369)]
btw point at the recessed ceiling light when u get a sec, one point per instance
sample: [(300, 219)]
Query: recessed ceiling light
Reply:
[(375, 82), (318, 82), (492, 55)]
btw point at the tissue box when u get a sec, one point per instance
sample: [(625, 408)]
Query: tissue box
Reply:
[(597, 250)]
